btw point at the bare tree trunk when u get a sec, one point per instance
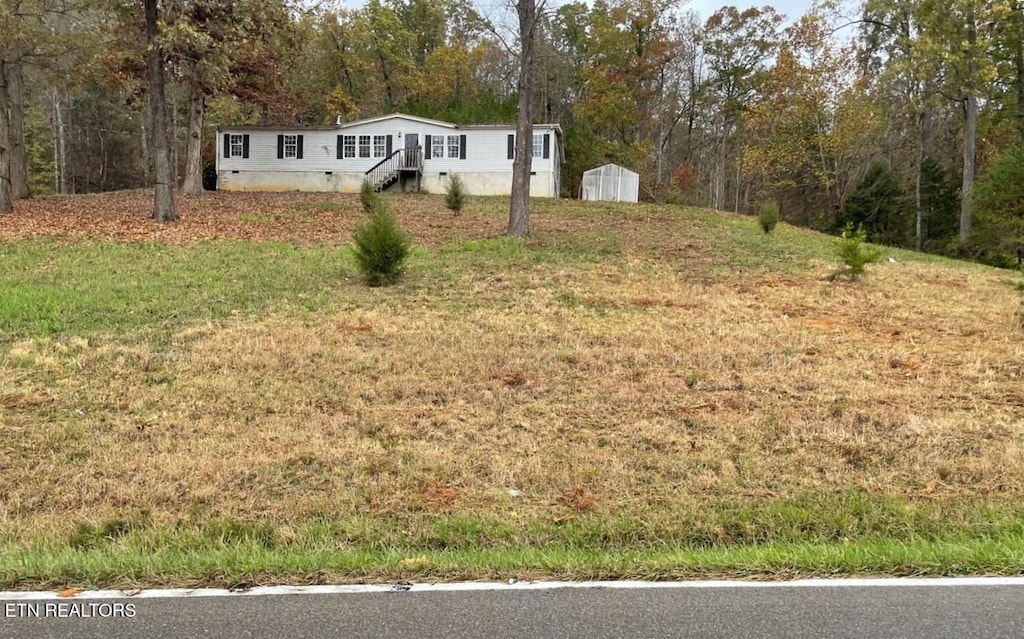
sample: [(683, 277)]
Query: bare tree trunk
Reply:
[(56, 147), (103, 160), (970, 132), (919, 206), (172, 141), (19, 158), (519, 210), (6, 201), (1018, 67), (61, 145), (192, 184), (144, 139), (718, 196), (163, 206), (736, 209), (966, 190)]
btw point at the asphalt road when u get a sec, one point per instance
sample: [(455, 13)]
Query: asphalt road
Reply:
[(592, 613)]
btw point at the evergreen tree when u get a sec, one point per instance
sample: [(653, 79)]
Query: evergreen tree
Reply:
[(940, 205), (881, 206), (999, 209)]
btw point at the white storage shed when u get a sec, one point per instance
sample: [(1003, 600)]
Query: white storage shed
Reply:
[(610, 183)]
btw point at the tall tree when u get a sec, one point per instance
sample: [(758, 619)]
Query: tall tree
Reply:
[(906, 70), (519, 209), (970, 98), (737, 44), (163, 205), (11, 36), (220, 47), (26, 39), (815, 128), (960, 33), (6, 200), (16, 95)]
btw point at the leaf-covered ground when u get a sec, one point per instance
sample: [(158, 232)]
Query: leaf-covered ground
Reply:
[(329, 218)]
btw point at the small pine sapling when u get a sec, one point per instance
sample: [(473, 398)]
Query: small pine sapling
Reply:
[(381, 246), (369, 197), (854, 252), (768, 218), (455, 194)]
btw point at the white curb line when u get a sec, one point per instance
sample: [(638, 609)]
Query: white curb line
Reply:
[(357, 589)]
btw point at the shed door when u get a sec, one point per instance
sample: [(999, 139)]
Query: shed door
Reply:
[(412, 140)]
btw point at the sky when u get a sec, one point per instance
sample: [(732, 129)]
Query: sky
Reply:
[(792, 9)]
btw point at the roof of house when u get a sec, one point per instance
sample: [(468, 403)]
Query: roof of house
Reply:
[(403, 116), (400, 116)]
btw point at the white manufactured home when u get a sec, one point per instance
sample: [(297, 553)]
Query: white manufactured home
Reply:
[(395, 151)]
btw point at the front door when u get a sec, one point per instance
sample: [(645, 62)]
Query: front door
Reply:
[(412, 141)]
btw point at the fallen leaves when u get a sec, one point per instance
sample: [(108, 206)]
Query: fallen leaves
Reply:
[(579, 499), (305, 218)]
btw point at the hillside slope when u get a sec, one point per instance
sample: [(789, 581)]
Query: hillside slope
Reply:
[(631, 379)]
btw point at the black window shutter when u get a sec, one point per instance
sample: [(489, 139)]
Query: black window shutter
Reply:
[(227, 145), (280, 147), (245, 145), (426, 147), (511, 146), (298, 148), (462, 147), (387, 149), (547, 145), (340, 146)]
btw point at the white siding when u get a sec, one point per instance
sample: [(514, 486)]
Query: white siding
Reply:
[(486, 154)]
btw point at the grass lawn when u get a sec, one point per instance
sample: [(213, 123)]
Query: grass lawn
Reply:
[(636, 391)]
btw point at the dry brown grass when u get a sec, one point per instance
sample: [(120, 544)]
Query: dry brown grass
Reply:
[(634, 386)]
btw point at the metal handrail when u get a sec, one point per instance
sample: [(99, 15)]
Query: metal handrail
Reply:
[(383, 170)]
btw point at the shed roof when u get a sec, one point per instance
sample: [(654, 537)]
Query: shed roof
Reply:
[(621, 169)]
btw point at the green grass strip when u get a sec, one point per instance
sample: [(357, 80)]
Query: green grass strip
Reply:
[(245, 565)]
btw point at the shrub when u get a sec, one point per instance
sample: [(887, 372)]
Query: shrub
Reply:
[(769, 216), (210, 176), (381, 246), (880, 205), (853, 251), (940, 204), (685, 179), (998, 215), (455, 194), (369, 197)]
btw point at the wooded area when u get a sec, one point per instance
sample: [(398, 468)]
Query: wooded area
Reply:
[(883, 118)]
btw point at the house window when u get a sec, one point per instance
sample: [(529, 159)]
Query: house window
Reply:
[(453, 146), (437, 146), (380, 148), (349, 146), (538, 145), (364, 146), (291, 146), (236, 146)]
